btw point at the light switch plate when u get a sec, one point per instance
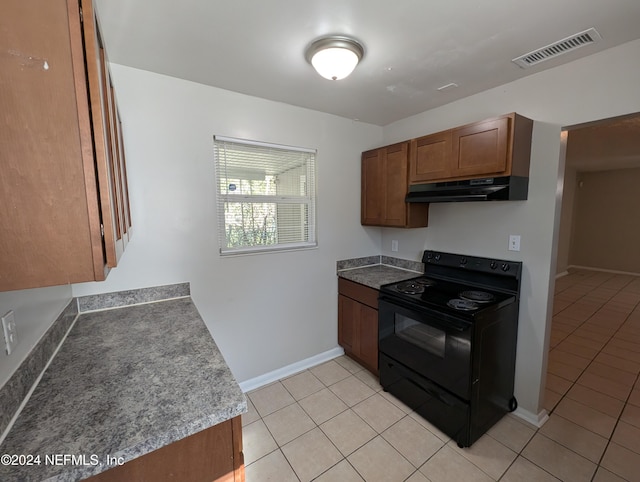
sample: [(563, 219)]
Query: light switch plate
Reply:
[(394, 245), (9, 330), (514, 242)]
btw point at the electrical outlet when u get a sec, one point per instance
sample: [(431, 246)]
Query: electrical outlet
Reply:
[(394, 245), (514, 242), (9, 330)]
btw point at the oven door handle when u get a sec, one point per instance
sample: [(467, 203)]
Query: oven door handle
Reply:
[(449, 325)]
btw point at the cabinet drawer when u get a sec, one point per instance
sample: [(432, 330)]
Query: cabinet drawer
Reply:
[(356, 291)]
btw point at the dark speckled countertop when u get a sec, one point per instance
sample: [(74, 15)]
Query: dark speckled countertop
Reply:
[(125, 382), (375, 271)]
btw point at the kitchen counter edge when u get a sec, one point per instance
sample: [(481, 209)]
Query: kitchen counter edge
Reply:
[(96, 347), (375, 271)]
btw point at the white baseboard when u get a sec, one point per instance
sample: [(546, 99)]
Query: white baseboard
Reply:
[(254, 383), (538, 420), (591, 268), (560, 275), (289, 370)]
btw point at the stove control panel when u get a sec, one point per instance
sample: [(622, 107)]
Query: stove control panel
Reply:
[(473, 263)]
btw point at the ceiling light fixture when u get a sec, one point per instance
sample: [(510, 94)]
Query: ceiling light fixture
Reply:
[(334, 57)]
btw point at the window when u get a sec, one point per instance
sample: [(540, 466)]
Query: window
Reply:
[(266, 196)]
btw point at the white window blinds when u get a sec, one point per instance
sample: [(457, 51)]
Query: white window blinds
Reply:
[(265, 196)]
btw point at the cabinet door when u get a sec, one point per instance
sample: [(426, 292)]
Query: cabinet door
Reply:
[(358, 331), (56, 192), (369, 337), (102, 125), (396, 185), (47, 184), (372, 187), (126, 214), (385, 184), (481, 148), (348, 314), (214, 454), (430, 158), (123, 219)]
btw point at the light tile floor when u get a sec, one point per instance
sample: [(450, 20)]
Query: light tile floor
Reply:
[(333, 423)]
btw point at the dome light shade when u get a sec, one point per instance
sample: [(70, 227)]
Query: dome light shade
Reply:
[(334, 58)]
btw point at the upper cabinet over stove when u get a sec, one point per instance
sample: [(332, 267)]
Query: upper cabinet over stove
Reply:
[(497, 148), (493, 147), (64, 205)]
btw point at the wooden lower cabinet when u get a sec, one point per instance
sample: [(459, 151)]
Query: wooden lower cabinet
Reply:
[(358, 323), (215, 454)]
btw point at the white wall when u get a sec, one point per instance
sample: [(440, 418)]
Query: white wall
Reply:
[(265, 311), (599, 86), (35, 311), (566, 220), (605, 234)]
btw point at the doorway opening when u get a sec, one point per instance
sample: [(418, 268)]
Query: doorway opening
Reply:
[(593, 369)]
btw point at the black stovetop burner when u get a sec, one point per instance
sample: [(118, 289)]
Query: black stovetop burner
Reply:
[(462, 304), (445, 295), (410, 288), (464, 285), (477, 296)]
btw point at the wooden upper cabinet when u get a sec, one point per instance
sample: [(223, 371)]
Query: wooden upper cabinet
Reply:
[(395, 173), (481, 148), (107, 137), (59, 183), (372, 187), (430, 157), (385, 182), (490, 148)]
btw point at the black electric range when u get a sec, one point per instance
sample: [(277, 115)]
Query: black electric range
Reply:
[(447, 341)]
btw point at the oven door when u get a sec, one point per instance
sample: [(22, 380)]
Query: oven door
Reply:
[(434, 345)]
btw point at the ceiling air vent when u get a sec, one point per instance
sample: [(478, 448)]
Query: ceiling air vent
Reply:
[(560, 47)]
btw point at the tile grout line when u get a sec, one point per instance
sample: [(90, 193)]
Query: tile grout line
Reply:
[(615, 426), (573, 383), (380, 434), (377, 433), (325, 386), (583, 323), (592, 360)]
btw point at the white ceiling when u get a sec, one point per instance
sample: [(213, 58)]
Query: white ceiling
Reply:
[(412, 47)]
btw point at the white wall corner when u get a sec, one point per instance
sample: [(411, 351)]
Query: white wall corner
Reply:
[(287, 371), (538, 419)]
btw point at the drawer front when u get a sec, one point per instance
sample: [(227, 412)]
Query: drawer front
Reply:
[(363, 294)]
